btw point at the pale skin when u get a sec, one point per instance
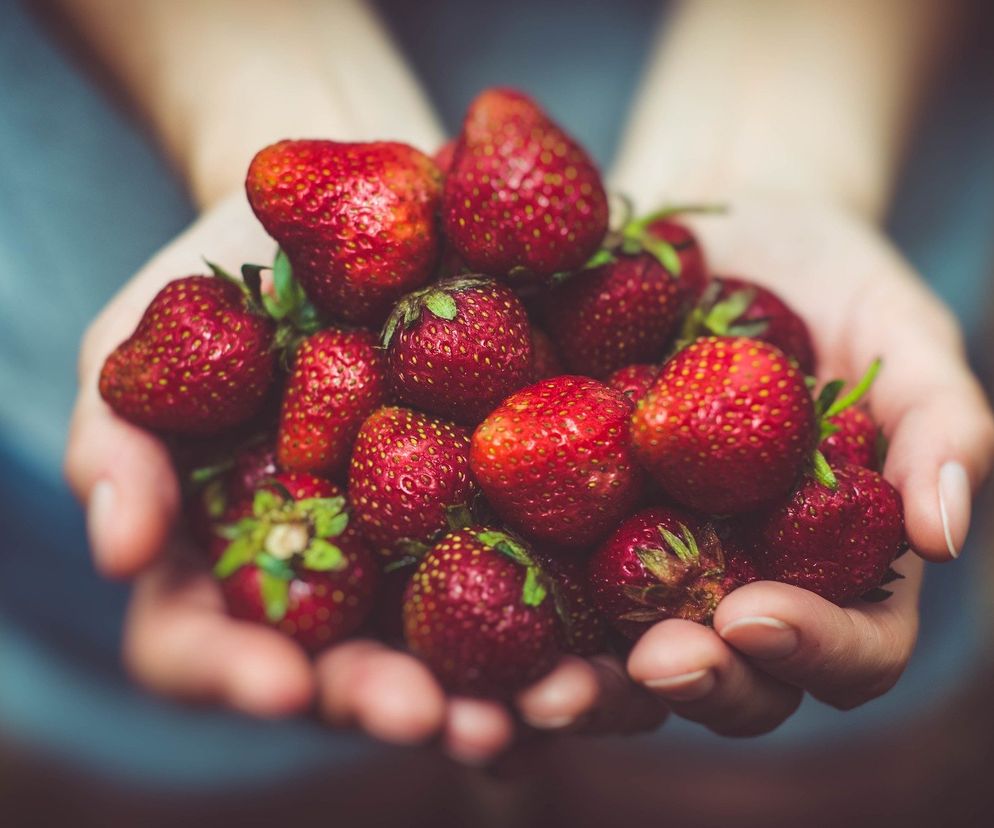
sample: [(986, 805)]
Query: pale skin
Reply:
[(750, 94)]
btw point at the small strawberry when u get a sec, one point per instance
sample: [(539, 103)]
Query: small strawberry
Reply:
[(201, 359), (522, 200), (634, 381), (338, 378), (658, 564), (545, 361), (293, 562), (555, 462), (408, 479), (857, 440), (839, 544), (583, 629), (358, 221), (478, 612), (458, 347)]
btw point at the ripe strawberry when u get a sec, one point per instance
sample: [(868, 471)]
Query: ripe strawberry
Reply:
[(555, 462), (658, 564), (522, 200), (408, 478), (664, 227), (545, 360), (295, 564), (839, 544), (634, 381), (857, 440), (338, 378), (458, 347), (728, 426), (201, 360), (582, 626), (478, 612), (443, 156), (358, 221)]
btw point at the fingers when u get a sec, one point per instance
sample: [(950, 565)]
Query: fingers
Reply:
[(476, 730), (843, 656), (702, 679), (594, 695), (179, 642)]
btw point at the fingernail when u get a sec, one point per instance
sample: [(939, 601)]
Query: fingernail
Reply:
[(761, 637), (100, 511), (684, 687), (954, 505), (549, 722)]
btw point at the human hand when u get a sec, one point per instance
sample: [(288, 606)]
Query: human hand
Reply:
[(772, 642)]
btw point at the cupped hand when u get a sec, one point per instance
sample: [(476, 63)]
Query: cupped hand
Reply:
[(772, 642)]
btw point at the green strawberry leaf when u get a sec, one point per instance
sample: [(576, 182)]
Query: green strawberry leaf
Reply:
[(827, 396), (826, 429), (264, 501), (875, 596), (599, 259), (274, 566), (533, 591), (656, 561), (891, 575), (240, 552), (413, 549), (506, 545), (328, 525), (231, 531), (284, 285), (275, 593), (684, 548), (664, 252), (823, 472), (441, 304), (721, 316), (322, 556), (858, 391), (389, 328)]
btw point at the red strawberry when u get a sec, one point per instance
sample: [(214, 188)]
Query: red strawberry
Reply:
[(634, 381), (443, 156), (458, 347), (201, 360), (294, 563), (555, 461), (478, 612), (358, 221), (856, 440), (839, 544), (728, 426), (338, 378), (408, 478), (658, 564), (583, 629), (545, 360), (693, 267), (522, 199)]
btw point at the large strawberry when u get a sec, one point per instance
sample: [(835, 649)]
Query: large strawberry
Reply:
[(358, 221), (408, 479), (201, 359), (555, 460), (479, 613), (292, 561), (838, 543), (522, 200), (658, 564), (458, 347), (338, 378)]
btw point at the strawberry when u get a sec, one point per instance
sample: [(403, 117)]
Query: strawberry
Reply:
[(522, 200), (545, 360), (839, 544), (555, 462), (458, 347), (478, 612), (664, 227), (582, 626), (338, 378), (357, 220), (408, 478), (443, 156), (201, 359), (660, 563), (857, 440), (634, 381), (292, 561), (728, 426)]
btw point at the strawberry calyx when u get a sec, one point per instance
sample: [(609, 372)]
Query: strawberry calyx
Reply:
[(281, 536), (714, 317), (537, 584), (435, 299)]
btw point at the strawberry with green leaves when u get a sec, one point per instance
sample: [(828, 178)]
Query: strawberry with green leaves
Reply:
[(458, 347), (856, 440)]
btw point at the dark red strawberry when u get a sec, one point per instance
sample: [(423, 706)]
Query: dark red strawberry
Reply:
[(555, 461), (201, 360), (659, 564), (839, 544), (338, 378), (634, 381), (458, 347), (856, 441), (358, 221), (522, 200), (479, 613), (728, 426), (545, 360), (583, 629), (408, 479), (294, 563)]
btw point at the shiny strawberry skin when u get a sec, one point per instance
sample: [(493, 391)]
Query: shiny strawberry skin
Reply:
[(545, 361), (727, 427), (784, 327), (465, 617), (855, 442), (634, 381), (461, 368), (357, 221), (521, 195), (693, 265), (339, 378), (407, 470), (555, 461), (838, 544), (200, 360)]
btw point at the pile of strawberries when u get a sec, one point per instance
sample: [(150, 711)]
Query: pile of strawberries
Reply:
[(466, 411)]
